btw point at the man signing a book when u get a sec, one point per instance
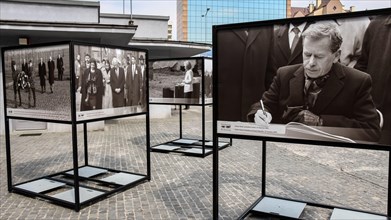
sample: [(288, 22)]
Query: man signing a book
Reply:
[(321, 91)]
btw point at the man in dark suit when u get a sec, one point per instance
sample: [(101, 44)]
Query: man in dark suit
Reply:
[(60, 67), (31, 83), (84, 70), (375, 60), (243, 62), (25, 66), (320, 92), (117, 82), (51, 73), (288, 45), (133, 82), (42, 75), (15, 75)]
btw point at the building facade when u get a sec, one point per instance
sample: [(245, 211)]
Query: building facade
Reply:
[(321, 7), (195, 18), (37, 21)]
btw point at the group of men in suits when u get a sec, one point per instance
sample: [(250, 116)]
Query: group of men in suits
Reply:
[(128, 84), (46, 74), (42, 74)]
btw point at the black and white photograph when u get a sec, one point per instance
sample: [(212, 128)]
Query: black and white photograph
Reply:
[(109, 81), (208, 81), (307, 79), (37, 82), (176, 81)]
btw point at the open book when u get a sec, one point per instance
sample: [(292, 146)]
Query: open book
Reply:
[(296, 129), (290, 130)]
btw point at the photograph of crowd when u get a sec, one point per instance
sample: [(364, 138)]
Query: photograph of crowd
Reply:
[(176, 81), (37, 82), (321, 73), (109, 81)]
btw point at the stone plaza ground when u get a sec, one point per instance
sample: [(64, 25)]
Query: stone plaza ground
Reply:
[(181, 186)]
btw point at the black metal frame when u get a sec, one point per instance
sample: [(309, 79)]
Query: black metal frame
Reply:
[(216, 135), (201, 142), (75, 177)]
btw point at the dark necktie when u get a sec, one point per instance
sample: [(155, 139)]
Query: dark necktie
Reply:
[(312, 88), (295, 39)]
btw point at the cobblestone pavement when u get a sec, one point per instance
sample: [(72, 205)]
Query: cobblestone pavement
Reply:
[(181, 186)]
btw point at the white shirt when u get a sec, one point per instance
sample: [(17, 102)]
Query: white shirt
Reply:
[(292, 34), (188, 81)]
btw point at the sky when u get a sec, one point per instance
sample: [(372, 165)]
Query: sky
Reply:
[(168, 7)]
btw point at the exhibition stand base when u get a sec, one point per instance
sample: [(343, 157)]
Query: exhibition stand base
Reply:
[(291, 209), (188, 147), (96, 183)]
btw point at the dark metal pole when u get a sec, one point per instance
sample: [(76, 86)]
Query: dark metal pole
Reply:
[(75, 167), (215, 155), (180, 121), (215, 173), (389, 186), (74, 132), (263, 168), (148, 140), (8, 154), (85, 143), (203, 107), (148, 120)]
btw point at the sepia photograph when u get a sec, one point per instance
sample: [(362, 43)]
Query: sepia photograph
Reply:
[(109, 81), (37, 82), (208, 81), (176, 81), (307, 79)]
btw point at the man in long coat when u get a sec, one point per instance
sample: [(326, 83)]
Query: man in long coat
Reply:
[(42, 75), (51, 73), (117, 81)]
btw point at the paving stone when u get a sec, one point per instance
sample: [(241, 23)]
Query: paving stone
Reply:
[(181, 186)]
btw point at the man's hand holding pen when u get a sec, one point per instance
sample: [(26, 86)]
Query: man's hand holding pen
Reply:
[(291, 114), (262, 117)]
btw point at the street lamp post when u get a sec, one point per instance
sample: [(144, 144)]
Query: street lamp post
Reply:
[(204, 16)]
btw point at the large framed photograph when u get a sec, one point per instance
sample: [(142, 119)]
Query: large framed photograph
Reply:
[(109, 81), (321, 78), (104, 81), (180, 81), (37, 82)]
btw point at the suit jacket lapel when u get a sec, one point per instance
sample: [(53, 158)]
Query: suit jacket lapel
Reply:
[(240, 33), (298, 51), (283, 41), (333, 86), (252, 35), (299, 47), (296, 85)]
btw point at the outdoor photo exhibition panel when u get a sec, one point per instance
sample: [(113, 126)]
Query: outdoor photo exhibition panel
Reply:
[(75, 83), (183, 82), (318, 80)]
